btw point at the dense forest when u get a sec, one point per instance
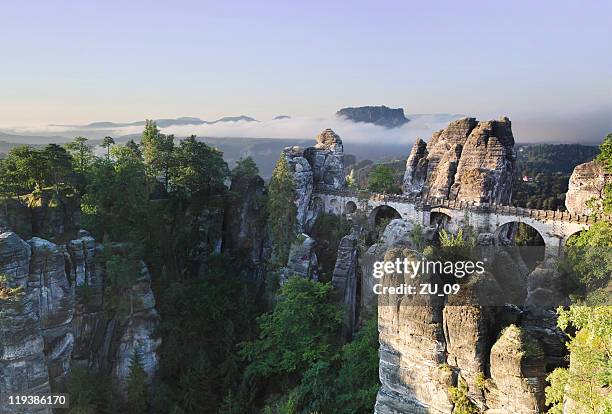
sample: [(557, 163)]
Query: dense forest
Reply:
[(233, 339)]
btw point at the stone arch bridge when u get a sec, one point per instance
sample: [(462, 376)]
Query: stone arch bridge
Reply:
[(555, 227)]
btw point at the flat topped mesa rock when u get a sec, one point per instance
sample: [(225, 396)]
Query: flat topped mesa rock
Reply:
[(469, 160), (377, 115)]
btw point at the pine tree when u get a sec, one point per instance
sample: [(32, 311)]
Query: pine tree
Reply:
[(282, 210), (137, 398), (107, 143)]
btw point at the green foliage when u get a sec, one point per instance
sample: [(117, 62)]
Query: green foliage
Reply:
[(417, 237), (82, 153), (381, 179), (245, 167), (157, 149), (282, 210), (197, 169), (204, 318), (459, 397), (357, 380), (117, 198), (107, 143), (588, 257), (90, 392), (548, 167), (301, 330), (587, 380), (27, 169), (137, 393)]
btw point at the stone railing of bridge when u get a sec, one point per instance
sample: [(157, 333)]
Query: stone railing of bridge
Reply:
[(434, 202)]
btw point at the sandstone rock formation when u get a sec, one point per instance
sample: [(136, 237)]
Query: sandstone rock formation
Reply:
[(63, 319), (501, 353), (327, 160), (245, 227), (320, 166), (345, 280), (302, 260), (586, 183), (377, 115), (469, 160), (303, 182)]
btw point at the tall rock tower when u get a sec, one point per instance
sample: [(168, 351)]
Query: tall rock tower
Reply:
[(468, 161)]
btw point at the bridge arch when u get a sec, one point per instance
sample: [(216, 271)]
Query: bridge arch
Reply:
[(382, 213), (350, 207), (569, 239), (530, 240), (440, 218)]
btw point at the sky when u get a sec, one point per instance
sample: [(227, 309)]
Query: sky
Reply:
[(545, 64)]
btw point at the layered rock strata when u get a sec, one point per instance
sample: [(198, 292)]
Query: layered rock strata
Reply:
[(469, 161), (320, 166), (62, 317)]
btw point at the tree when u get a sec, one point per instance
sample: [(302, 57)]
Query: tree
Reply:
[(81, 152), (59, 165), (302, 330), (137, 395), (107, 143), (282, 210), (117, 197), (245, 167), (198, 169), (23, 170), (381, 179), (157, 151), (583, 387)]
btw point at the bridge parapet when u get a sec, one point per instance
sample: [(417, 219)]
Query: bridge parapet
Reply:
[(426, 203)]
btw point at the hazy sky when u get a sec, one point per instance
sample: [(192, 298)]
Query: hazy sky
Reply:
[(83, 61)]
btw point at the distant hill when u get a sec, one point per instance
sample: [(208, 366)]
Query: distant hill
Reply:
[(377, 115), (163, 122)]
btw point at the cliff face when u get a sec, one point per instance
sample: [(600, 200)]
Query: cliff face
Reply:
[(469, 160), (61, 318), (319, 166), (587, 182), (501, 355), (377, 115)]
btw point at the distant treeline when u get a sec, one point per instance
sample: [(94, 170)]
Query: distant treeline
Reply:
[(543, 172)]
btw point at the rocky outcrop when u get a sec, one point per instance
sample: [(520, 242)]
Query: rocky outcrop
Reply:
[(23, 363), (517, 374), (345, 280), (245, 227), (500, 354), (320, 166), (327, 160), (303, 183), (302, 260), (377, 115), (65, 316), (586, 186), (469, 160)]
